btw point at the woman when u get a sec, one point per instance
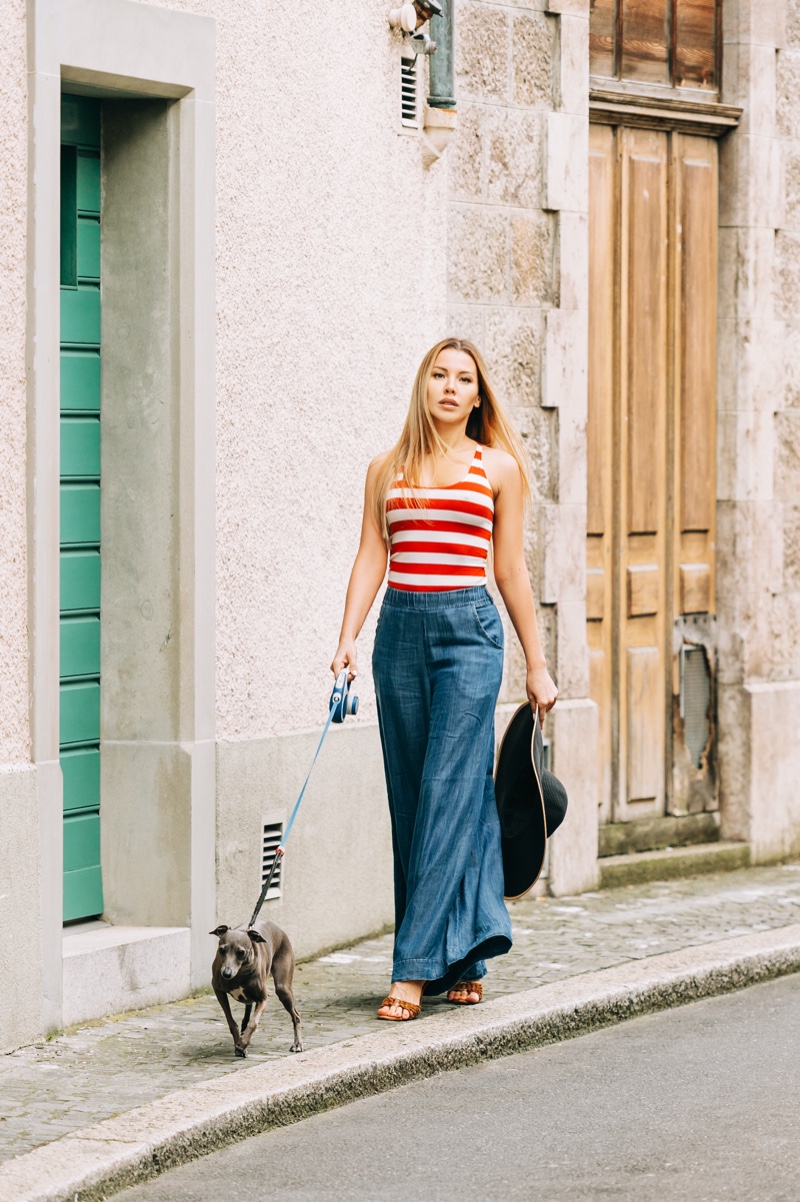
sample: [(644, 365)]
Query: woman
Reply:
[(456, 480)]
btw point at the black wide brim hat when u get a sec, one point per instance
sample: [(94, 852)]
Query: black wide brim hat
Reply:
[(531, 802)]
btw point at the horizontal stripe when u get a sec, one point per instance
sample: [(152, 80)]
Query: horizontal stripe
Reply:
[(432, 584), (446, 529), (428, 547), (419, 498), (470, 534), (450, 507), (431, 569)]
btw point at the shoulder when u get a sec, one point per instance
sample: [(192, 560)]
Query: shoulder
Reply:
[(501, 467), (377, 464)]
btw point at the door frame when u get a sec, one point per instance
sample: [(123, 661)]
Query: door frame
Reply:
[(617, 107), (119, 47)]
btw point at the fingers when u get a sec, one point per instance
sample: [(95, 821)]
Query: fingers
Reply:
[(345, 659)]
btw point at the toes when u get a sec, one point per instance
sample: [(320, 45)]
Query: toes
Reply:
[(395, 1011)]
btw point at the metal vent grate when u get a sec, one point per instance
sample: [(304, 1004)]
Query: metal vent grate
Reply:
[(272, 833), (409, 103), (695, 701)]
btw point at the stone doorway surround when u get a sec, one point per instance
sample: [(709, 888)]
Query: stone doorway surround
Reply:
[(129, 52)]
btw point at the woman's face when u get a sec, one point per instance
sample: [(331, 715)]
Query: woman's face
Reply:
[(453, 387)]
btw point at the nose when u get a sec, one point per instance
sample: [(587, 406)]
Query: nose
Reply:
[(227, 973)]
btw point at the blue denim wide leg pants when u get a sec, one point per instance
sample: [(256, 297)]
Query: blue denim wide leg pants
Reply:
[(437, 664)]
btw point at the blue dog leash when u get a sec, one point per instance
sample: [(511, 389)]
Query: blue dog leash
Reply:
[(342, 703)]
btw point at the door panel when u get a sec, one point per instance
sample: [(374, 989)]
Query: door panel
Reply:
[(645, 705), (651, 446), (695, 174), (81, 772), (641, 566)]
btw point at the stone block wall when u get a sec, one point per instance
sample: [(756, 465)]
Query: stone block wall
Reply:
[(517, 286), (758, 590), (786, 602)]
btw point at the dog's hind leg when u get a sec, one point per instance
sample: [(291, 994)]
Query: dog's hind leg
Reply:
[(282, 973), (286, 998), (246, 1017)]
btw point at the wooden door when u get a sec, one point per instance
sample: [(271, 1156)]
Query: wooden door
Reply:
[(80, 505), (651, 431)]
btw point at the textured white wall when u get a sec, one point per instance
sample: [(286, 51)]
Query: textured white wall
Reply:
[(14, 740), (330, 286)]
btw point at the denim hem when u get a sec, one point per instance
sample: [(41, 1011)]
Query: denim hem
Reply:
[(441, 977)]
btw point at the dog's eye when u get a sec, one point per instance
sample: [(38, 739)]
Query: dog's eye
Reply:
[(240, 953)]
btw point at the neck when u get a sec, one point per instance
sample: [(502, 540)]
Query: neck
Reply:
[(453, 438)]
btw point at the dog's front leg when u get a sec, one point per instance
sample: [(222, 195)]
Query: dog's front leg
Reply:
[(233, 1026), (246, 1016), (250, 1029)]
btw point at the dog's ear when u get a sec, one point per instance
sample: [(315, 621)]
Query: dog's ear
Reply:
[(256, 936), (219, 932)]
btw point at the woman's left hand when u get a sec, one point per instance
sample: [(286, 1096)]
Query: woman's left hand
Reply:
[(542, 693)]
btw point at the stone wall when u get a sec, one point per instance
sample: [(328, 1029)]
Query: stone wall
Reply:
[(14, 735), (758, 589), (786, 602), (517, 286)]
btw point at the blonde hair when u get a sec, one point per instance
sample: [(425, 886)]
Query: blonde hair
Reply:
[(487, 424)]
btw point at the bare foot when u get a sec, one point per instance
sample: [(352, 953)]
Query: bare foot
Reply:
[(402, 991), (466, 993)]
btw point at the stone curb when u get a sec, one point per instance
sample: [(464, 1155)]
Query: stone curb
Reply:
[(97, 1161)]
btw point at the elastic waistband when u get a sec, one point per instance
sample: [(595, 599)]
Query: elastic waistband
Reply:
[(452, 598)]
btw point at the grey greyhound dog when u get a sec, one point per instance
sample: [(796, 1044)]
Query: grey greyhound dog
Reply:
[(245, 958)]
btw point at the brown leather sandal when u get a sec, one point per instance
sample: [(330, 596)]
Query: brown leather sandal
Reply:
[(412, 1008), (465, 987)]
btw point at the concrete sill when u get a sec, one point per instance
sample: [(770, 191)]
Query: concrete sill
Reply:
[(637, 868), (109, 969)]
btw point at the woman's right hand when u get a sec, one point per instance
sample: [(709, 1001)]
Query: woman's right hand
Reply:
[(345, 657)]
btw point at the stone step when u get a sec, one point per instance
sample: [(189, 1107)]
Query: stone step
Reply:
[(653, 834), (637, 868)]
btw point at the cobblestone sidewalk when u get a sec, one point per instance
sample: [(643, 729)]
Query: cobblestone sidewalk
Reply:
[(100, 1070)]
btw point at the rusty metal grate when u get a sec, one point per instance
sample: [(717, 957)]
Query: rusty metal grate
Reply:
[(695, 701)]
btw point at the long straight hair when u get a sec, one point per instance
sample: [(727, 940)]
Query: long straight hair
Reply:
[(487, 424)]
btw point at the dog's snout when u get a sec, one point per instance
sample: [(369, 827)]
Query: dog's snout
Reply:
[(227, 972)]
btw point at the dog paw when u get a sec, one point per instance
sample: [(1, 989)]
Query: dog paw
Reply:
[(241, 1052), (296, 1047)]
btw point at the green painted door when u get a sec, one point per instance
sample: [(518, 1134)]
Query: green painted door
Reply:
[(80, 505)]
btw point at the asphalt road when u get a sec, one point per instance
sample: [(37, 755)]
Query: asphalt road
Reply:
[(698, 1104)]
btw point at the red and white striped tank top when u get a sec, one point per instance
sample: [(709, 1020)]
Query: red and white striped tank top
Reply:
[(443, 543)]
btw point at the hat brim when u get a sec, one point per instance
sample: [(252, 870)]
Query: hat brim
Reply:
[(521, 803)]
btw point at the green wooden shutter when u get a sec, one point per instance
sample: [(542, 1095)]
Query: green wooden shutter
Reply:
[(80, 505)]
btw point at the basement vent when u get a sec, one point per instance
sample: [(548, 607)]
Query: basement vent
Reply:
[(695, 701), (272, 833), (409, 101)]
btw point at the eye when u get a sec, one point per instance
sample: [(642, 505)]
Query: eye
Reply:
[(240, 953)]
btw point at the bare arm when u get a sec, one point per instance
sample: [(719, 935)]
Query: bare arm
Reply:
[(366, 578), (511, 575)]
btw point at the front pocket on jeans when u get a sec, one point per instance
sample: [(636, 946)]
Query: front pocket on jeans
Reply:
[(488, 619)]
